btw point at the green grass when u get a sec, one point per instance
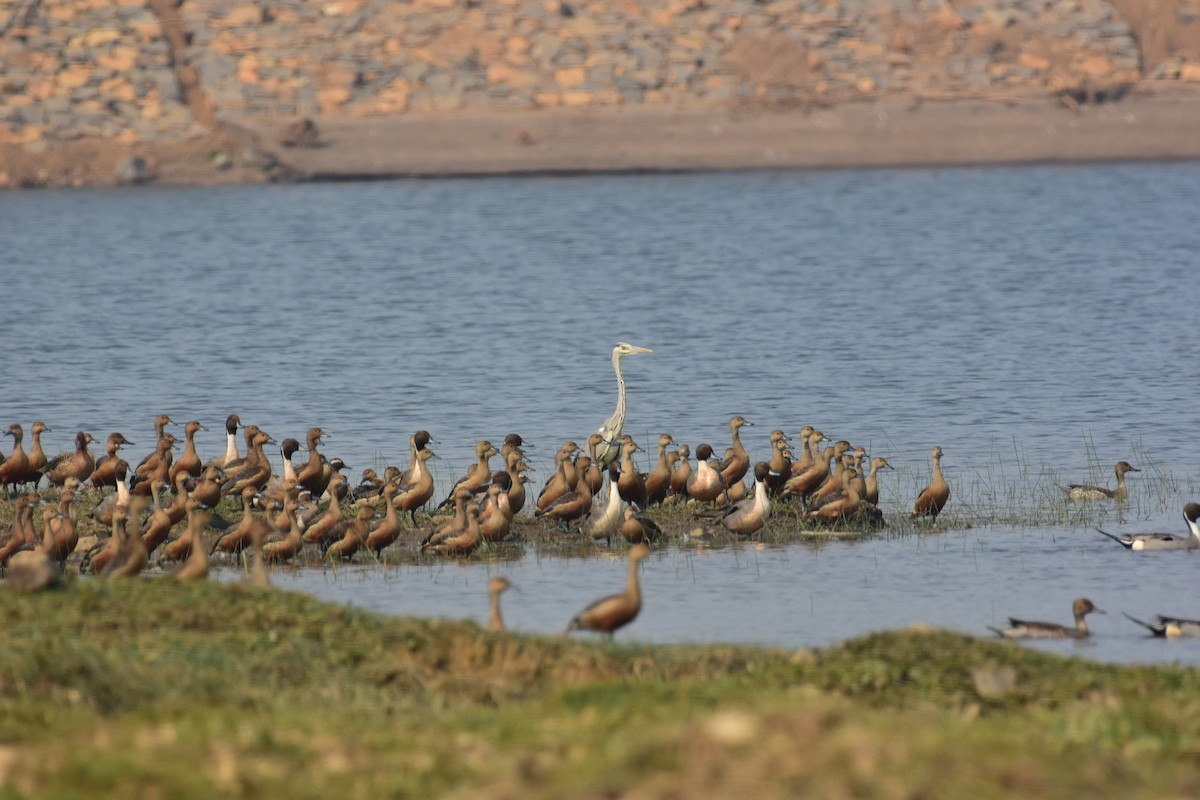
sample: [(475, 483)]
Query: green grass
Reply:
[(146, 688)]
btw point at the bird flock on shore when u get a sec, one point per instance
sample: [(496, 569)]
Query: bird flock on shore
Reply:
[(161, 510)]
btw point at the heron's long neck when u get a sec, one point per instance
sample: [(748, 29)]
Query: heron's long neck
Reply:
[(620, 412)]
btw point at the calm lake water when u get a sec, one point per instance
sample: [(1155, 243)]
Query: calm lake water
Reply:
[(1036, 322)]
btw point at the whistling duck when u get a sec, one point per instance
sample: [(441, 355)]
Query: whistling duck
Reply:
[(208, 489), (328, 526), (631, 484), (60, 524), (568, 507), (638, 528), (78, 464), (285, 548), (458, 542), (682, 473), (35, 569), (104, 473), (189, 462), (848, 505), (387, 530), (933, 497), (417, 493), (658, 481), (806, 482), (146, 465), (256, 470), (609, 448), (516, 466), (130, 557), (734, 468), (495, 521), (37, 456), (594, 474), (1170, 627), (155, 467), (513, 443), (810, 449), (1023, 629), (231, 450), (257, 576), (311, 475), (20, 534), (178, 548), (605, 519), (834, 483), (370, 488), (354, 535), (564, 479), (1077, 491), (496, 587), (780, 462), (12, 471), (1165, 541), (237, 538), (195, 568), (706, 484), (748, 515), (608, 614), (871, 495), (478, 474), (158, 525)]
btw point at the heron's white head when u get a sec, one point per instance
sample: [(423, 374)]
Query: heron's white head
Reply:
[(626, 349)]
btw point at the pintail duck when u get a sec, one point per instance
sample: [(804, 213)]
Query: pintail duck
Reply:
[(564, 479), (104, 473), (658, 481), (608, 614), (1077, 492), (78, 464), (1170, 627), (102, 512), (12, 471), (195, 568), (231, 451), (932, 499), (496, 587), (705, 484), (747, 516), (37, 456), (1164, 541), (189, 461), (1023, 629), (610, 432), (606, 517)]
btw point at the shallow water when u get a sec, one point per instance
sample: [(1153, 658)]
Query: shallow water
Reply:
[(1035, 322)]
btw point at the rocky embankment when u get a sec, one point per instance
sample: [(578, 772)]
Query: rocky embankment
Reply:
[(141, 77)]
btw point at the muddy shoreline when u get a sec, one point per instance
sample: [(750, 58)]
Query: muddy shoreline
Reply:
[(1146, 125)]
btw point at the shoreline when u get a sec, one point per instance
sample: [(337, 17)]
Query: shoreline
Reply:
[(894, 132)]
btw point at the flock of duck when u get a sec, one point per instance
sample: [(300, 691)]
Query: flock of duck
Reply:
[(162, 508)]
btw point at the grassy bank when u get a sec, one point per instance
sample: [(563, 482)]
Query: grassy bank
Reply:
[(145, 688)]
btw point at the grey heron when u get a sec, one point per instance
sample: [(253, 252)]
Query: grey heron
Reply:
[(610, 432)]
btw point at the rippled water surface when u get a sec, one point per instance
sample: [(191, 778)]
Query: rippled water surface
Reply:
[(1037, 323)]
